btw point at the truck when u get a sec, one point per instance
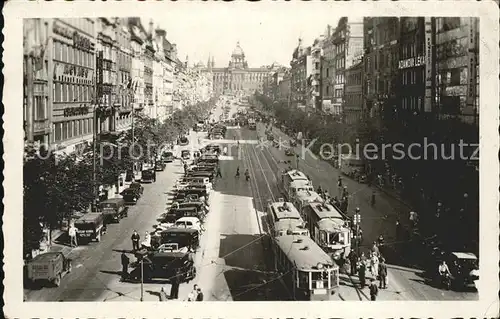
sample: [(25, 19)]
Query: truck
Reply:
[(90, 227), (350, 165), (292, 182), (48, 267), (329, 228)]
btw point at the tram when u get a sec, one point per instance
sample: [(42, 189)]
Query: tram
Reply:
[(284, 219), (307, 271)]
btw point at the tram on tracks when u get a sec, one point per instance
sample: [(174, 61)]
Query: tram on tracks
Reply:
[(284, 219), (307, 271)]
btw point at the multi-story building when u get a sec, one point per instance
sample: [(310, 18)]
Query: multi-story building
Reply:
[(71, 67), (381, 62), (107, 49), (38, 50), (148, 55), (285, 87), (353, 93), (328, 72), (348, 41), (124, 83), (277, 78), (412, 68), (137, 36), (301, 69), (163, 73), (457, 67), (314, 96), (238, 78)]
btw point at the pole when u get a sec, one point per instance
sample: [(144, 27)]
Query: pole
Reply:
[(94, 151), (142, 279)]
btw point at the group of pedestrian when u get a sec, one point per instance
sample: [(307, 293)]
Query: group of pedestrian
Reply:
[(377, 267), (196, 294)]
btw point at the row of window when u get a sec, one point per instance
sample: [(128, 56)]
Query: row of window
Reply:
[(453, 77), (64, 92), (84, 24), (354, 99), (67, 53), (339, 79), (413, 49), (354, 79), (71, 129), (340, 63), (412, 103), (124, 59), (40, 107), (413, 76)]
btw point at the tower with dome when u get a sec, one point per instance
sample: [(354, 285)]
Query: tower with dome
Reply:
[(237, 78)]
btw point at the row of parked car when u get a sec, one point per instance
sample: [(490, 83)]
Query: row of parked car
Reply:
[(52, 266), (175, 236)]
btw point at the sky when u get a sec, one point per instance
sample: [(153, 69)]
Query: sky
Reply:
[(266, 35)]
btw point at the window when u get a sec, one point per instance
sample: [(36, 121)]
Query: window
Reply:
[(64, 96), (57, 132), (64, 56), (57, 50), (76, 128), (65, 130), (71, 96), (446, 24)]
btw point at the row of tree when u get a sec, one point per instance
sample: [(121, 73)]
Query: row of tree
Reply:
[(56, 186)]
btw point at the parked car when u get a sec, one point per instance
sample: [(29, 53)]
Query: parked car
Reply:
[(148, 176), (130, 195), (185, 155), (113, 209), (167, 157), (183, 141), (189, 222), (90, 227), (160, 166), (137, 187)]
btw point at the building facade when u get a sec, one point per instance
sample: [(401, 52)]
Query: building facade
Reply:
[(148, 56), (137, 36), (315, 81), (285, 87), (238, 78), (381, 63), (72, 100), (123, 117), (457, 67), (328, 72), (301, 70), (353, 93)]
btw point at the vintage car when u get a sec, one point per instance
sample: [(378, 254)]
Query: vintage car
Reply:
[(185, 155), (165, 265), (90, 227), (183, 141), (167, 157), (464, 268), (148, 176), (160, 166), (137, 187), (183, 237), (130, 196), (289, 151), (189, 222), (169, 218), (199, 189), (48, 267), (209, 175), (113, 209)]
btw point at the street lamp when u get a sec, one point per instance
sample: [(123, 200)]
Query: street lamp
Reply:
[(357, 222)]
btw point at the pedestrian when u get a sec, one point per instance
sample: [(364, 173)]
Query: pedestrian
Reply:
[(135, 240), (199, 295), (373, 199), (174, 290), (373, 290), (382, 272), (147, 240), (163, 295), (353, 259), (374, 263), (375, 249), (219, 174), (194, 292), (362, 273), (125, 263), (72, 231), (345, 192)]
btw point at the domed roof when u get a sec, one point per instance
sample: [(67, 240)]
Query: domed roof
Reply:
[(238, 51)]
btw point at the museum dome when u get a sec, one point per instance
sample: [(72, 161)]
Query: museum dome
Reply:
[(238, 51)]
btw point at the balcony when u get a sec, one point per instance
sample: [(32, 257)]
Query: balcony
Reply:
[(41, 126)]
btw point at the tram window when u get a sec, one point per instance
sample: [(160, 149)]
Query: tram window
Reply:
[(303, 279), (323, 236), (319, 280)]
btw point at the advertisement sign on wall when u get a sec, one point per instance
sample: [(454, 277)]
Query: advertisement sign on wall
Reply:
[(428, 65), (471, 81)]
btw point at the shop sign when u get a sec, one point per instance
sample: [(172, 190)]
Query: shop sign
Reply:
[(472, 70), (79, 41), (412, 62), (75, 111), (428, 65)]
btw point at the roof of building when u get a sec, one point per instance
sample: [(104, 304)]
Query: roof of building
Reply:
[(303, 252), (238, 51)]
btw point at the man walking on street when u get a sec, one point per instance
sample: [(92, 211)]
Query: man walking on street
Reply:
[(125, 263), (362, 273), (353, 259), (199, 295), (219, 174), (72, 231), (382, 272), (135, 240), (373, 290), (174, 291)]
